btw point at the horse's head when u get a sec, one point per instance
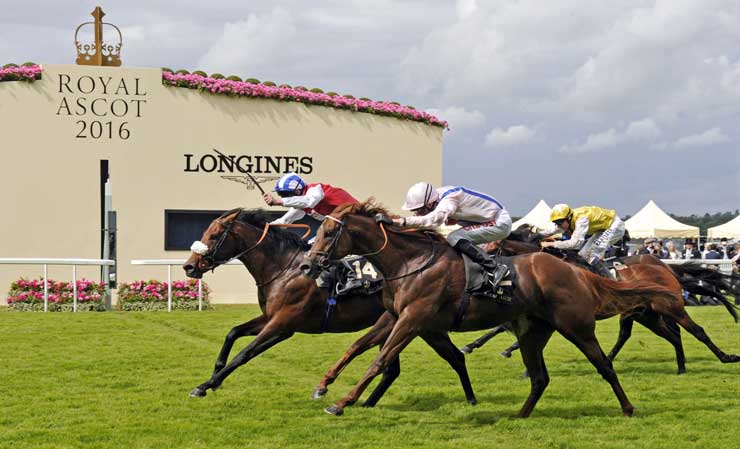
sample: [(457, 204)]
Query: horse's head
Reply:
[(227, 237), (333, 239)]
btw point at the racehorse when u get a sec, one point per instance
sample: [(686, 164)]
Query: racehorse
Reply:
[(523, 241), (425, 290), (291, 302)]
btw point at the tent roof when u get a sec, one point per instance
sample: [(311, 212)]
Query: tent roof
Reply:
[(539, 216), (651, 221), (731, 229)]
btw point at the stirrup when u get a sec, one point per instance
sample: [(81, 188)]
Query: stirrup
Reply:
[(498, 274)]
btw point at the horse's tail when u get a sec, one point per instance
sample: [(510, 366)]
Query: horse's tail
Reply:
[(623, 296), (700, 280)]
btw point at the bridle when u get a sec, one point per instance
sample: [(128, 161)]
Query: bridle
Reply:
[(210, 257)]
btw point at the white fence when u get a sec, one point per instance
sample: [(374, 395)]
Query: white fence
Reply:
[(170, 263), (47, 262), (724, 265)]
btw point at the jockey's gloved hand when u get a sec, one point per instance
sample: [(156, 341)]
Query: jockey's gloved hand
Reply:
[(381, 218)]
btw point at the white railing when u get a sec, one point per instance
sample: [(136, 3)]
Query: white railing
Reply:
[(724, 265), (47, 262), (170, 263)]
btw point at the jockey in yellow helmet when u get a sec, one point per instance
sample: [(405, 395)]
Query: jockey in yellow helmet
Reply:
[(589, 229)]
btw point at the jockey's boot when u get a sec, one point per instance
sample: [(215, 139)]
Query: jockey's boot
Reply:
[(498, 271), (601, 269)]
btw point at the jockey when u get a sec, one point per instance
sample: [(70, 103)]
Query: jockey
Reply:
[(483, 220), (589, 229), (317, 200)]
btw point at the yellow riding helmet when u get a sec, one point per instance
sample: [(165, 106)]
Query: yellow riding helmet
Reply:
[(560, 212)]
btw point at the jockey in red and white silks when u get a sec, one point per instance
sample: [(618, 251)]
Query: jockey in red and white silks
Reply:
[(315, 200), (482, 217)]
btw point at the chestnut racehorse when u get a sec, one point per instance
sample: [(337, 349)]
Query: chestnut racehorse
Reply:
[(291, 302), (425, 290)]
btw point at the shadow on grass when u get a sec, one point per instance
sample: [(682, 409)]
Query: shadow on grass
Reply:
[(427, 402), (486, 418)]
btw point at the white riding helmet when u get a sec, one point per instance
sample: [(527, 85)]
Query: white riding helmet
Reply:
[(419, 195)]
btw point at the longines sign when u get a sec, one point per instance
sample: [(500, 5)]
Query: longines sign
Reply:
[(104, 105), (259, 166)]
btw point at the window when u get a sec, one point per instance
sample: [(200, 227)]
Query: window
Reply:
[(183, 227)]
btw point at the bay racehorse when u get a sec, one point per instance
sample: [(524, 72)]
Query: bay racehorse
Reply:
[(425, 290), (523, 241), (291, 302)]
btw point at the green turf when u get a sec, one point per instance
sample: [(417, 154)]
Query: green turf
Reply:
[(121, 380)]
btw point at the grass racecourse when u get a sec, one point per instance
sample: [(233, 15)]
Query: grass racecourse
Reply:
[(121, 380)]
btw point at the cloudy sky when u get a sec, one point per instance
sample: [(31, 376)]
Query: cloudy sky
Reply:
[(579, 101)]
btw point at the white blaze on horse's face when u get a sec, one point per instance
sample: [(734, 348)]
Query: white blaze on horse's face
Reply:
[(199, 248)]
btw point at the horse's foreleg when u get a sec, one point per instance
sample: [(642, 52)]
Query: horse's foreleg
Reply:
[(251, 327), (444, 347), (536, 334), (467, 349), (403, 332), (377, 334), (625, 331), (270, 335), (390, 374)]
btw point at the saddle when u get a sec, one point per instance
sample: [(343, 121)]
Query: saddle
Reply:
[(353, 275), (478, 281)]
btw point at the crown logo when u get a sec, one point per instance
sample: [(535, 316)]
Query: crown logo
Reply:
[(98, 52)]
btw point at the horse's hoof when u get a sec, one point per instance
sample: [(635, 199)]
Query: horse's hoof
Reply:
[(506, 354), (198, 393), (334, 410), (466, 350), (629, 412), (473, 401), (318, 393), (734, 358), (681, 371)]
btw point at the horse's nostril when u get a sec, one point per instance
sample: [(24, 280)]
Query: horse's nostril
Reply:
[(188, 267), (305, 267)]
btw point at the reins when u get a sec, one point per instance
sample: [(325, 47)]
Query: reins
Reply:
[(262, 238)]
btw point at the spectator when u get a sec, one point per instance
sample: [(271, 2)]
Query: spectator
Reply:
[(710, 252), (658, 250), (690, 251), (672, 251), (646, 246), (727, 251)]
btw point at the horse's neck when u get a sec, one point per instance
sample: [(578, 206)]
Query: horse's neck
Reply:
[(265, 261), (395, 258), (516, 247)]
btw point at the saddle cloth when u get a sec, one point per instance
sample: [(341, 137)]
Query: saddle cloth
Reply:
[(353, 275), (478, 280)]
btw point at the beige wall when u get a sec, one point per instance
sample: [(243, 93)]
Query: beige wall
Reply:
[(49, 178)]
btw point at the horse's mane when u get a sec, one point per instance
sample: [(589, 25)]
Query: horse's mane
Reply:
[(259, 218), (370, 208), (525, 233)]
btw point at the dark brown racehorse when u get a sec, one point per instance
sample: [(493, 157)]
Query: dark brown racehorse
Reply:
[(425, 283), (523, 241), (291, 302)]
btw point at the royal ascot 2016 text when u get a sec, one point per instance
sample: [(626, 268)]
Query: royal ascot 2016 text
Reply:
[(105, 104)]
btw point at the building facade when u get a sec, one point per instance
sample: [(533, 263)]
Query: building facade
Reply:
[(172, 155)]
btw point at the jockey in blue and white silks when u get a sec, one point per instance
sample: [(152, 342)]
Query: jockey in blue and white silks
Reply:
[(483, 219)]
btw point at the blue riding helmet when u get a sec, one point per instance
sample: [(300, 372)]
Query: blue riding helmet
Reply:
[(290, 184)]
